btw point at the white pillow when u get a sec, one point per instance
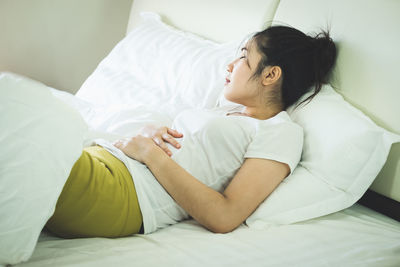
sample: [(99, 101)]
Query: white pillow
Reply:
[(162, 68), (113, 121), (343, 153), (40, 140)]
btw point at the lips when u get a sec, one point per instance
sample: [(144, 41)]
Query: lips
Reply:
[(227, 81)]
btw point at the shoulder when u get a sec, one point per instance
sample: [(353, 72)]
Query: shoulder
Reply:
[(277, 139), (280, 123)]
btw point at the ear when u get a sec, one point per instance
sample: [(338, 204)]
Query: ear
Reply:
[(271, 75)]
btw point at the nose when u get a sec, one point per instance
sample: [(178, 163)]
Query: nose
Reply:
[(230, 66)]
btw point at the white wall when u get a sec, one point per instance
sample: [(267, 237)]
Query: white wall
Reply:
[(59, 42)]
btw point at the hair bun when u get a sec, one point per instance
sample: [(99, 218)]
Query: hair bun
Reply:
[(324, 56)]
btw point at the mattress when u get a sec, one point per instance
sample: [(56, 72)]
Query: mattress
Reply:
[(356, 236)]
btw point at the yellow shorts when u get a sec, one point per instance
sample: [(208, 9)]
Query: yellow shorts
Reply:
[(98, 200)]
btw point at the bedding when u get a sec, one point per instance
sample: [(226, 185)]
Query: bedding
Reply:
[(40, 139), (356, 236), (343, 152), (112, 122), (294, 226), (146, 69)]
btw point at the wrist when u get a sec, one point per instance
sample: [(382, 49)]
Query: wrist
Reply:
[(155, 155)]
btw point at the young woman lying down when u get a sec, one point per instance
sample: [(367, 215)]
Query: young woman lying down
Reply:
[(216, 166)]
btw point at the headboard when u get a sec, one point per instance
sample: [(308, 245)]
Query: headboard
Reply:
[(221, 21), (366, 33)]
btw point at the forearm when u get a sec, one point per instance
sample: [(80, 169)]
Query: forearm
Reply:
[(209, 207), (252, 184)]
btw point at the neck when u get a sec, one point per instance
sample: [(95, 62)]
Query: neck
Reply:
[(263, 113)]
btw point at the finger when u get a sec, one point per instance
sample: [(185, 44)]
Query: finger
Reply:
[(171, 140), (163, 146), (174, 133)]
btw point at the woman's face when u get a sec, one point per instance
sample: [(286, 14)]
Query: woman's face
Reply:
[(239, 88)]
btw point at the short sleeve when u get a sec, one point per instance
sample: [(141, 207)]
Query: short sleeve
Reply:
[(281, 142)]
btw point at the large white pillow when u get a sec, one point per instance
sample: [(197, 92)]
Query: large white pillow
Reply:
[(40, 140), (112, 122), (162, 68), (343, 153)]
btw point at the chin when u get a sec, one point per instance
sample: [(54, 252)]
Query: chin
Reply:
[(231, 99), (226, 95), (229, 95)]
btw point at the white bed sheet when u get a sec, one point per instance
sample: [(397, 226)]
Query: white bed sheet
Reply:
[(356, 236)]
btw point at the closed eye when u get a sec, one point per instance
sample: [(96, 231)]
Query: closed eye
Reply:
[(245, 51), (247, 62)]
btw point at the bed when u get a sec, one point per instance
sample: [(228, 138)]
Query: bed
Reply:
[(356, 236), (338, 218)]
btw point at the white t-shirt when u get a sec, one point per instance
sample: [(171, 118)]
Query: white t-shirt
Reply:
[(213, 148)]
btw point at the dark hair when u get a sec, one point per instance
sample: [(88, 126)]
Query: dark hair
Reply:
[(305, 60)]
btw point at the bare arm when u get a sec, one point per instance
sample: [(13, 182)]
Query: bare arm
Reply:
[(219, 212)]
